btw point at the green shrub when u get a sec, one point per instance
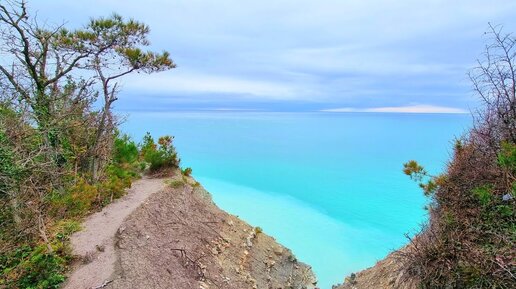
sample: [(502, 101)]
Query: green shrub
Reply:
[(483, 195), (507, 156), (10, 174), (82, 197), (124, 150), (65, 228), (470, 212), (160, 156), (186, 172), (113, 187), (8, 168), (258, 230), (31, 268), (148, 145), (76, 201)]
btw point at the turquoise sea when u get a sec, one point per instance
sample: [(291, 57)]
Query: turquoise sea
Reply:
[(329, 186)]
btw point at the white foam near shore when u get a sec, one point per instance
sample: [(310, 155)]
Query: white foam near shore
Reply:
[(333, 248)]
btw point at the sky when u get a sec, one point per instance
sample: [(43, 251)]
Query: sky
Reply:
[(298, 55)]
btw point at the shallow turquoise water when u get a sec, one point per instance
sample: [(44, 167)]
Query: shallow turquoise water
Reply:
[(328, 186)]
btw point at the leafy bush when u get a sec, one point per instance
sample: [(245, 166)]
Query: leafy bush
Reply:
[(507, 156), (10, 174), (83, 197), (472, 219), (114, 185), (470, 239), (63, 229), (124, 150), (148, 145), (75, 201), (8, 167), (186, 172), (31, 267), (483, 195), (160, 157)]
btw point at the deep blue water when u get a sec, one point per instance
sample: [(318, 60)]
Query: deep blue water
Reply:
[(329, 186)]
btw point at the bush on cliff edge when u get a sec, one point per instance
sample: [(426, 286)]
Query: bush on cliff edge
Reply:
[(469, 241)]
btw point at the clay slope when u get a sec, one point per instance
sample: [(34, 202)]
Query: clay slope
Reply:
[(386, 274), (179, 239)]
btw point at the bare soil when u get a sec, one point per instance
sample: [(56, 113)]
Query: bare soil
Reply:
[(386, 274), (176, 237)]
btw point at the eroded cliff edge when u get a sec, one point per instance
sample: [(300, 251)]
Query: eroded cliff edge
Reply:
[(178, 238), (386, 274)]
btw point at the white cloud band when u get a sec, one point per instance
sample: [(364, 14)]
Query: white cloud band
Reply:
[(401, 109)]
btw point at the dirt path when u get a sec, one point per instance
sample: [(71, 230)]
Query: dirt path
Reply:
[(96, 242)]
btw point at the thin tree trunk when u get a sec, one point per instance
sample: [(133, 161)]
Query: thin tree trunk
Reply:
[(95, 164)]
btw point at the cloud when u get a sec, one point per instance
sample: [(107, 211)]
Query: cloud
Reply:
[(230, 109), (364, 61), (198, 83), (357, 53), (422, 108)]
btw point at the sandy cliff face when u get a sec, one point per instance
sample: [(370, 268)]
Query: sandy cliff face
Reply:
[(180, 239), (386, 274)]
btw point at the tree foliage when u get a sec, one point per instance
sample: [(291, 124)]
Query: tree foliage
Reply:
[(161, 156)]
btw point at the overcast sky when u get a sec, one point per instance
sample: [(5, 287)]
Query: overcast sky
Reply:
[(298, 55)]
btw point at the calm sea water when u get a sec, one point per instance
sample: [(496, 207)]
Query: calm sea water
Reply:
[(328, 186)]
